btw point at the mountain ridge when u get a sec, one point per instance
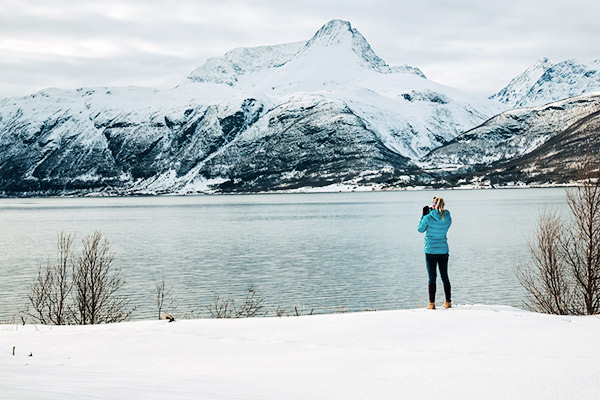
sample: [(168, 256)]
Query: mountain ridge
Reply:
[(545, 82), (534, 145), (321, 112)]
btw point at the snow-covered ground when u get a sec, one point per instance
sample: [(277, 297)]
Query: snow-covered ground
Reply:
[(468, 352)]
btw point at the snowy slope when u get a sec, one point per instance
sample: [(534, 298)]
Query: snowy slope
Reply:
[(230, 68), (202, 132), (545, 82), (468, 352), (519, 86), (240, 65), (558, 160), (514, 134), (409, 113)]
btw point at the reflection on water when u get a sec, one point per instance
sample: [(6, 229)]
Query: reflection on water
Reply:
[(325, 250)]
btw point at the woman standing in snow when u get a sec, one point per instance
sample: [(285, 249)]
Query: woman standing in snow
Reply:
[(435, 224)]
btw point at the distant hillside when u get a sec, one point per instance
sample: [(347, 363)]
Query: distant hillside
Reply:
[(531, 145)]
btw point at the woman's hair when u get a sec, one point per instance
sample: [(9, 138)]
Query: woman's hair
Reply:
[(439, 205)]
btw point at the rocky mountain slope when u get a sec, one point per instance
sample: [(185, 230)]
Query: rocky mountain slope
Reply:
[(545, 82), (325, 111), (532, 145), (559, 160)]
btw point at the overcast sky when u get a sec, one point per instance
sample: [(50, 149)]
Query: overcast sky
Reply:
[(474, 45)]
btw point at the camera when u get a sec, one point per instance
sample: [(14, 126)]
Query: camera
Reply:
[(427, 209)]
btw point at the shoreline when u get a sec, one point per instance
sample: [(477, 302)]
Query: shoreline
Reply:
[(304, 190)]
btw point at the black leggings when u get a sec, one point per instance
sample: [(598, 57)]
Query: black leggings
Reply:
[(433, 262)]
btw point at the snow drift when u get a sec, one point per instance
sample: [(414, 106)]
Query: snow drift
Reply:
[(491, 352)]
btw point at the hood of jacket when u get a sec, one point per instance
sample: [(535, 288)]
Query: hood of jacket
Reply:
[(435, 214)]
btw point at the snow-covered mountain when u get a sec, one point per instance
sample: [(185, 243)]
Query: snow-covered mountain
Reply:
[(241, 65), (558, 160), (537, 144), (545, 82), (410, 114), (324, 111)]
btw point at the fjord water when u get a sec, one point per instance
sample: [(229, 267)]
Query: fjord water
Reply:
[(330, 251)]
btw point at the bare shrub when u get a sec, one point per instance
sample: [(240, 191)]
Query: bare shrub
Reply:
[(250, 306), (221, 307), (302, 310), (165, 301), (38, 295), (13, 320), (581, 243), (299, 311), (96, 282), (564, 274), (280, 311), (546, 278), (81, 291), (49, 294)]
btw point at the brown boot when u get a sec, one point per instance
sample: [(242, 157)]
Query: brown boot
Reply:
[(431, 306), (447, 305)]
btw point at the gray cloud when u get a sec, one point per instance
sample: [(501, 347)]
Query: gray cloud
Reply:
[(477, 46)]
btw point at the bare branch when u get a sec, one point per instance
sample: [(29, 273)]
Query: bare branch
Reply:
[(564, 274)]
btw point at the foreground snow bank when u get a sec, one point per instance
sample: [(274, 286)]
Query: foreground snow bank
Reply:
[(468, 352)]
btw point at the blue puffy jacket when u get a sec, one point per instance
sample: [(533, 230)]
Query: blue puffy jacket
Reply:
[(436, 229)]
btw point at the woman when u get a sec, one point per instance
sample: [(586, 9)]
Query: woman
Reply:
[(435, 224)]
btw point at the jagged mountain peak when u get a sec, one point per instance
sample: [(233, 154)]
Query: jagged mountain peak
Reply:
[(534, 71), (544, 82), (542, 61), (537, 69), (333, 32), (339, 35), (336, 42), (520, 85)]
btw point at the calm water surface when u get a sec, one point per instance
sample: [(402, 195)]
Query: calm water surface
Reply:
[(329, 251)]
